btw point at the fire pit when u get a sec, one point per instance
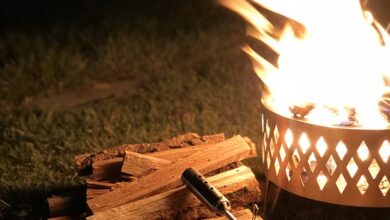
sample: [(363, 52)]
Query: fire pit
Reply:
[(347, 166), (326, 98)]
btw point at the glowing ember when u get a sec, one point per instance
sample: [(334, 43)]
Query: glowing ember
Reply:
[(333, 71)]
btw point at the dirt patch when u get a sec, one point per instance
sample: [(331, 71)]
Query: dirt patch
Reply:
[(83, 95)]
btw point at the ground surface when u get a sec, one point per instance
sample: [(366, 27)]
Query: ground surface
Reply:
[(79, 76)]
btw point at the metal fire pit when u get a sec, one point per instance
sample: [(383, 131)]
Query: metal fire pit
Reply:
[(346, 166)]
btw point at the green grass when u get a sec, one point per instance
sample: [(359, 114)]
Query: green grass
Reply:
[(186, 54), (191, 74)]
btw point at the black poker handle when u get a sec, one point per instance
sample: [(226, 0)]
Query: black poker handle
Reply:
[(205, 192)]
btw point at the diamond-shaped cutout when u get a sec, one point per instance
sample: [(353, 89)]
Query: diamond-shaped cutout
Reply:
[(264, 148), (352, 168), (304, 176), (384, 186), (321, 180), (267, 129), (384, 151), (288, 172), (288, 138), (341, 150), (331, 165), (374, 168), (277, 166), (312, 162), (363, 151), (262, 154), (321, 146), (268, 161), (304, 142), (296, 158), (276, 134), (282, 153), (341, 183), (272, 147), (362, 185)]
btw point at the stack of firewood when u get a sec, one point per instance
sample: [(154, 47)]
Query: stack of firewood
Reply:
[(142, 181)]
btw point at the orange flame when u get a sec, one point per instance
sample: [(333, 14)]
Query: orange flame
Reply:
[(338, 62)]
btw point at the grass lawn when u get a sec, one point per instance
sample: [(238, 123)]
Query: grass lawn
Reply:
[(185, 61), (185, 72)]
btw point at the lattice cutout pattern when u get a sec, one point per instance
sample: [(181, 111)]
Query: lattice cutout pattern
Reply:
[(325, 164)]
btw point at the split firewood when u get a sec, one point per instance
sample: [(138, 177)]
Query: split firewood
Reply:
[(205, 160), (84, 162), (239, 185), (384, 105), (242, 214), (177, 154), (95, 188), (107, 169), (302, 109), (67, 217), (64, 204), (135, 164), (111, 169)]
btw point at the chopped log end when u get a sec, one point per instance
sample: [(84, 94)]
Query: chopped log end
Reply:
[(67, 204), (137, 165)]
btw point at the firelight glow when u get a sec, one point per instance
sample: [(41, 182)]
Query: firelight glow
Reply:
[(336, 60)]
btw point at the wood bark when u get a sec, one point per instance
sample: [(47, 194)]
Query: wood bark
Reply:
[(84, 162), (239, 185), (205, 160)]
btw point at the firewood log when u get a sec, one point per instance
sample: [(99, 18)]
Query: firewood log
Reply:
[(84, 162), (205, 160), (242, 214), (136, 164), (67, 204), (239, 185), (111, 169)]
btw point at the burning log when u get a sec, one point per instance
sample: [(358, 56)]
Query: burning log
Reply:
[(384, 105), (301, 110), (240, 186), (205, 160), (84, 162)]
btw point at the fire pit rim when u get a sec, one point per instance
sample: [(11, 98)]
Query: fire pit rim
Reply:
[(265, 103)]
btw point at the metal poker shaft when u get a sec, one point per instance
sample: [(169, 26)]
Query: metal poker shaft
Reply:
[(206, 193)]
